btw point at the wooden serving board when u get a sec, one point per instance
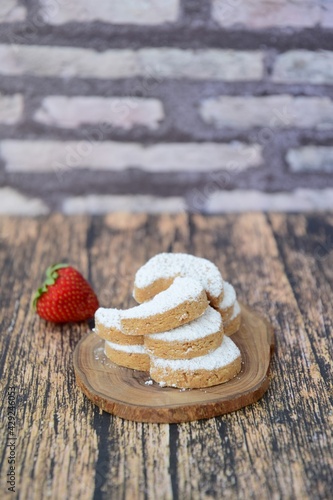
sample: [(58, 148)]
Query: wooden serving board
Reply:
[(123, 392)]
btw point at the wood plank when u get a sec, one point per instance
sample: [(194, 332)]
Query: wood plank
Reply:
[(280, 447), (306, 244), (267, 448), (56, 442), (129, 452), (123, 392)]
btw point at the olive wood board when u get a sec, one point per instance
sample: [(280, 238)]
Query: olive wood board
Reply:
[(124, 392)]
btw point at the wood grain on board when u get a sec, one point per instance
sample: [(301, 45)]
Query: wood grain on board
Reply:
[(279, 447), (124, 392)]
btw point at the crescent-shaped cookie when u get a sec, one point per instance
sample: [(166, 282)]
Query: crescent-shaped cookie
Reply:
[(233, 324), (124, 350), (214, 368), (160, 271), (226, 306), (184, 301), (130, 356), (197, 338), (108, 327)]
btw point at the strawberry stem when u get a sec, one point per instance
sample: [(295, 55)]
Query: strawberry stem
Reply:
[(51, 277)]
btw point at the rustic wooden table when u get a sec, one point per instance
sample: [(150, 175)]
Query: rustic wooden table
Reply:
[(280, 447)]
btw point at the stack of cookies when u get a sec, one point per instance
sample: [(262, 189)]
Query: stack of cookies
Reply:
[(180, 331)]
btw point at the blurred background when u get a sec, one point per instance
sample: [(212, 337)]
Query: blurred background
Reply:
[(165, 105)]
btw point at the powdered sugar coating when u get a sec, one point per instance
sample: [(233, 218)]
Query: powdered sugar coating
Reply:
[(134, 349), (229, 297), (169, 265), (182, 290), (110, 318), (210, 322), (236, 310), (219, 358)]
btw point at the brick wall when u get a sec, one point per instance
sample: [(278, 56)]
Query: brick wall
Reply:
[(205, 105)]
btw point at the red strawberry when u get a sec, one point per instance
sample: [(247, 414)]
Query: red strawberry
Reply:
[(65, 296)]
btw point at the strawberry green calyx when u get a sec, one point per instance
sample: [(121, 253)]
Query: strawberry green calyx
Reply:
[(51, 277)]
